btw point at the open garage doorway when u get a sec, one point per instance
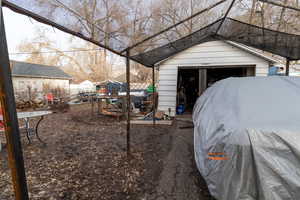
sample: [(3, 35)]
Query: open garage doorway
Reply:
[(187, 88), (216, 74), (192, 82)]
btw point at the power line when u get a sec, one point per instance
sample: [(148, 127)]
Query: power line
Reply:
[(45, 52)]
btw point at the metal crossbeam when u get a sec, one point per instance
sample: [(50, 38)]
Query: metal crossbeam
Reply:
[(226, 14), (44, 20), (173, 26)]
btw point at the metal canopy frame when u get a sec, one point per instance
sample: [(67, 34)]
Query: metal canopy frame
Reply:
[(135, 57), (44, 20), (6, 88), (154, 56), (177, 24), (208, 33), (227, 12), (11, 127), (122, 53)]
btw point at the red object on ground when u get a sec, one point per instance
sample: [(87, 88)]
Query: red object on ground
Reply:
[(49, 97)]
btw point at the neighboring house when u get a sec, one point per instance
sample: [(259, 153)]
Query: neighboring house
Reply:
[(89, 85), (110, 87), (196, 68), (84, 86), (38, 77)]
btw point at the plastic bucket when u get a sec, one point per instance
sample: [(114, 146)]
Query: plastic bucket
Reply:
[(180, 109)]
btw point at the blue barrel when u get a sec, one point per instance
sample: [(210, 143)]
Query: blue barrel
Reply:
[(180, 109)]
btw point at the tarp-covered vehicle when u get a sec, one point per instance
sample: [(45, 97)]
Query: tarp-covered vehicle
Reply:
[(247, 138)]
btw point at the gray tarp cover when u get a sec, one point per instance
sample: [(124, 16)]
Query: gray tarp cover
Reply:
[(255, 123)]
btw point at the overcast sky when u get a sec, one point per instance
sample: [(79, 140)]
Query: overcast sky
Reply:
[(20, 27), (17, 27)]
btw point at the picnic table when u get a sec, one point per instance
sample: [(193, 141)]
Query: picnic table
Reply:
[(30, 130)]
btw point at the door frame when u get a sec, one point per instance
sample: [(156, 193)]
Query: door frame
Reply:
[(203, 75)]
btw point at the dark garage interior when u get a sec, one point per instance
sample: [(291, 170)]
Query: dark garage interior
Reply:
[(192, 82), (217, 74)]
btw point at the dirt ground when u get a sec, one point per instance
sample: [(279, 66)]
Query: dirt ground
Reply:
[(85, 158)]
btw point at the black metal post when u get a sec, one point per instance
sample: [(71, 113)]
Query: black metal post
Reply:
[(128, 101), (92, 105), (7, 99), (287, 67), (225, 16), (154, 99)]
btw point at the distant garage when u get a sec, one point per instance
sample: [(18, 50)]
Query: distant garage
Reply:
[(185, 76)]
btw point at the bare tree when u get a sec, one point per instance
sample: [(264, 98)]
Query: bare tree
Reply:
[(85, 62)]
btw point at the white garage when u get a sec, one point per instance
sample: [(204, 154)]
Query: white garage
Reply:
[(193, 70)]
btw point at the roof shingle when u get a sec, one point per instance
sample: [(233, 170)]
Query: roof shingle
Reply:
[(37, 70)]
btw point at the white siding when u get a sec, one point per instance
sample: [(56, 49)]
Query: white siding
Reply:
[(216, 53), (21, 84)]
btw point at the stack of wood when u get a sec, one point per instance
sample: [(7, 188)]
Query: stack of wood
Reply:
[(23, 104)]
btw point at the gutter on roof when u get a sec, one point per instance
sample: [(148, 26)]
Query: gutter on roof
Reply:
[(251, 51)]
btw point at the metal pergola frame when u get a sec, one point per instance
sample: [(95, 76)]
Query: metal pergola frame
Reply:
[(15, 153), (12, 133), (177, 24), (11, 128), (287, 65)]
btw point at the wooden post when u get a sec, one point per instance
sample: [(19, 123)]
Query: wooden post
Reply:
[(128, 102), (287, 67), (7, 99), (154, 99)]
